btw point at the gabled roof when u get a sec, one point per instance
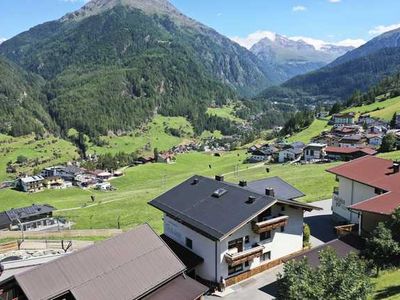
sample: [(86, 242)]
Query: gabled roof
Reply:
[(193, 202), (350, 150), (29, 211), (283, 190), (216, 216), (375, 172), (128, 266)]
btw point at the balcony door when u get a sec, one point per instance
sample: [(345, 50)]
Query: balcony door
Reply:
[(238, 243)]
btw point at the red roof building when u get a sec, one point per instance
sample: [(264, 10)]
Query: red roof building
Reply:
[(368, 192), (348, 153)]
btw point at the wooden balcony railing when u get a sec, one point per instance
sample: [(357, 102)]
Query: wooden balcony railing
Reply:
[(271, 224), (234, 259)]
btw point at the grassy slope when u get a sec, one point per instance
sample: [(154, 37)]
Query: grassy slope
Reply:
[(141, 184), (227, 112), (383, 110), (11, 148), (307, 134), (387, 286), (154, 134)]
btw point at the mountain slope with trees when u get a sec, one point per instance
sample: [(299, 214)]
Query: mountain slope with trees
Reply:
[(357, 70), (111, 65)]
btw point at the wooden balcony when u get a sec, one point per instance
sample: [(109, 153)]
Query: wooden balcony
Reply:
[(271, 224), (234, 259)]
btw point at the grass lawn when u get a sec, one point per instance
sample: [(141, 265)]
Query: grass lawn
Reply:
[(143, 183), (395, 155), (307, 134), (387, 285), (383, 110), (145, 140), (227, 112), (49, 151)]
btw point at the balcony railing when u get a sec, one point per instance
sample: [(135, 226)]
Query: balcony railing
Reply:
[(271, 224), (234, 259)]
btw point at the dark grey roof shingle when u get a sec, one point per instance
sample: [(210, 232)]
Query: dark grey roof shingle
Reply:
[(216, 217), (283, 190)]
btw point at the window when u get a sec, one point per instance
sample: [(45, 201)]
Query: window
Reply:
[(238, 243), (189, 243), (235, 269), (282, 228), (246, 264), (378, 191), (266, 256), (265, 235), (283, 208), (264, 215), (246, 239)]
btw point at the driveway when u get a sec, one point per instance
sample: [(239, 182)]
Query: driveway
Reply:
[(320, 222), (263, 286), (259, 287)]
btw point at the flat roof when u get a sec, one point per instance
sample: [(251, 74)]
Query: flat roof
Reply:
[(375, 172)]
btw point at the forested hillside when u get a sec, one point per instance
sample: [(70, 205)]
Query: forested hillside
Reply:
[(21, 109), (112, 69)]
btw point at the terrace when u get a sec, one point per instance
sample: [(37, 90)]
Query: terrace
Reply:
[(270, 224)]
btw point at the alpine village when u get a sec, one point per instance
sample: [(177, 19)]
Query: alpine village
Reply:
[(144, 155)]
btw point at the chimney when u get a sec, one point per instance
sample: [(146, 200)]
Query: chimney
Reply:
[(242, 183), (195, 181), (219, 178), (251, 200), (396, 167), (270, 192)]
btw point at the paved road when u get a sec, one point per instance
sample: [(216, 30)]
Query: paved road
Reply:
[(263, 285)]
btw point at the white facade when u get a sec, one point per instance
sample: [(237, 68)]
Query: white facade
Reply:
[(349, 193), (314, 152), (280, 244), (286, 155)]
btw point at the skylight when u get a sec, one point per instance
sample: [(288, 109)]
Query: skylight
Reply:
[(219, 193)]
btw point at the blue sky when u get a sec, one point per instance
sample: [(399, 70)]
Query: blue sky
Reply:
[(246, 21)]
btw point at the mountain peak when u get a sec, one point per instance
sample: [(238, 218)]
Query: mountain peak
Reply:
[(95, 7)]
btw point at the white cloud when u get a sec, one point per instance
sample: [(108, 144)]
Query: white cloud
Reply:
[(299, 8), (382, 29), (253, 38), (335, 1)]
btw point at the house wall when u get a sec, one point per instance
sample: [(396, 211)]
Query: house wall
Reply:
[(350, 192), (311, 154), (369, 221), (280, 244), (201, 245)]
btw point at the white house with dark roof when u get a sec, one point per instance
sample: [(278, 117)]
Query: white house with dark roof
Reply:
[(234, 228)]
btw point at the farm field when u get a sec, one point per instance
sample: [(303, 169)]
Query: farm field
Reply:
[(41, 153), (307, 134), (141, 184), (383, 110), (387, 286), (154, 135)]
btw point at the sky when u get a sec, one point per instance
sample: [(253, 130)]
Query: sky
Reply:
[(341, 22)]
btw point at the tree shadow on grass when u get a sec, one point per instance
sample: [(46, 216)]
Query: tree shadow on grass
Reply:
[(387, 292)]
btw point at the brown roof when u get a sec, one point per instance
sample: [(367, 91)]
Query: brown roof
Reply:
[(341, 248), (181, 288), (375, 172), (127, 266), (350, 150)]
